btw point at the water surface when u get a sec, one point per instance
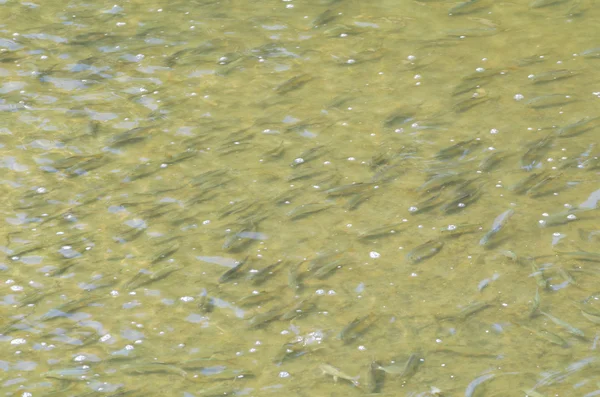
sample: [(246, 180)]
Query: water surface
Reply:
[(208, 198)]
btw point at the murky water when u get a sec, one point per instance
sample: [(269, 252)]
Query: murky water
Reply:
[(209, 198)]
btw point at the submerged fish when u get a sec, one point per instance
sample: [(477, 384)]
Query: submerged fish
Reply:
[(459, 229), (293, 84), (424, 251), (552, 75), (336, 373), (497, 225), (305, 210), (459, 149), (571, 329), (403, 369), (569, 215), (535, 152), (545, 3), (467, 7), (233, 272), (546, 335), (357, 327), (579, 127), (548, 101), (466, 311), (381, 231)]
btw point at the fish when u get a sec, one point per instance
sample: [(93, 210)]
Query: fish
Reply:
[(33, 297), (398, 118), (538, 274), (91, 163), (130, 137), (300, 308), (549, 101), (274, 153), (294, 281), (17, 253), (295, 348), (211, 179), (530, 60), (141, 279), (571, 329), (469, 103), (179, 157), (594, 318), (262, 319), (424, 251), (287, 196), (326, 269), (462, 197), (591, 53), (71, 306), (357, 327), (233, 147), (304, 210), (497, 226), (545, 3), (165, 253), (387, 173), (475, 383), (570, 215), (239, 207), (373, 378), (324, 258), (492, 160), (579, 127), (580, 255), (309, 155), (206, 304), (467, 7), (546, 335), (550, 184), (350, 189), (336, 373), (466, 311), (152, 368), (403, 370), (536, 151), (69, 374), (258, 277), (324, 18), (233, 272), (441, 181), (381, 231), (356, 200), (470, 85), (368, 55), (427, 204), (237, 240), (552, 75), (472, 32), (340, 30), (459, 149), (456, 230), (293, 84), (256, 298), (535, 304), (305, 173), (523, 185)]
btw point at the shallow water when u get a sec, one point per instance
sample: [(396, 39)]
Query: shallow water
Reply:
[(208, 198)]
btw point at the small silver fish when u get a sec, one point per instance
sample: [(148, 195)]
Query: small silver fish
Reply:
[(338, 374), (497, 225)]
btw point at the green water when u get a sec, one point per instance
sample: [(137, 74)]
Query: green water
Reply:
[(210, 198)]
